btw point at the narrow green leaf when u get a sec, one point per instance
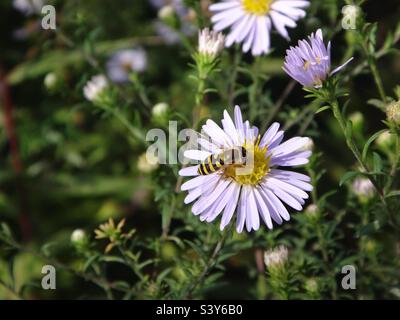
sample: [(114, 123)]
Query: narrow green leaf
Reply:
[(347, 176), (322, 109), (369, 141)]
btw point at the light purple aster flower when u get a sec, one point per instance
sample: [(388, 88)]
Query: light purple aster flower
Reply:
[(258, 191), (309, 63), (123, 62), (251, 21)]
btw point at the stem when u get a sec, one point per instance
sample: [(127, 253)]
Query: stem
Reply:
[(279, 103), (165, 229), (24, 221), (353, 147), (254, 89), (210, 264), (394, 164), (377, 78), (374, 70), (135, 132), (232, 81)]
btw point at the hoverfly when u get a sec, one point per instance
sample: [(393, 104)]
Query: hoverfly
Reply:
[(215, 162)]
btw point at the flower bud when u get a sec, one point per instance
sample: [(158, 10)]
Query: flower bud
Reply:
[(51, 81), (312, 212), (95, 87), (211, 43), (168, 15), (147, 163), (160, 109), (385, 140), (393, 112), (311, 286), (363, 188), (276, 258), (79, 237), (357, 120)]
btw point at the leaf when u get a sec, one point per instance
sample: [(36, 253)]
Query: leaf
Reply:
[(322, 109), (5, 229), (369, 141), (376, 103), (198, 250), (347, 176), (349, 129), (378, 164), (112, 259), (370, 228), (394, 193), (56, 59)]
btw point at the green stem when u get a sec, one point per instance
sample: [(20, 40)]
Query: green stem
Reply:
[(375, 73), (394, 164), (354, 149), (135, 132), (209, 265), (377, 78)]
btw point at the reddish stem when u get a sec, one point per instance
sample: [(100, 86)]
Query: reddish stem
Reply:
[(5, 92)]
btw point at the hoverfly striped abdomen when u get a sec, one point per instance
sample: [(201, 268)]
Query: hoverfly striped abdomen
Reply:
[(215, 162), (211, 164)]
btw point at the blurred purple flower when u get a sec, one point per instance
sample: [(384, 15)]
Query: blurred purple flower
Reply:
[(123, 62), (170, 35), (28, 7)]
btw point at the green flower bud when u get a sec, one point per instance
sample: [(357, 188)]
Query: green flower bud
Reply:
[(168, 15), (357, 120), (385, 140), (51, 81), (160, 109), (79, 239)]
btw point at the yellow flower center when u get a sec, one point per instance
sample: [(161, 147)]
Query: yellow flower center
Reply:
[(257, 7), (250, 173)]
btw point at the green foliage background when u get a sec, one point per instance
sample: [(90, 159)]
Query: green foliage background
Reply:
[(79, 163)]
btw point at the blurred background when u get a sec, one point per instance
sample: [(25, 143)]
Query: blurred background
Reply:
[(65, 165)]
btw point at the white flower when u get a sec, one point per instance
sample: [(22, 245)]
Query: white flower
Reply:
[(251, 21), (94, 87), (276, 257), (363, 187), (28, 7), (211, 43), (257, 192), (123, 62)]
